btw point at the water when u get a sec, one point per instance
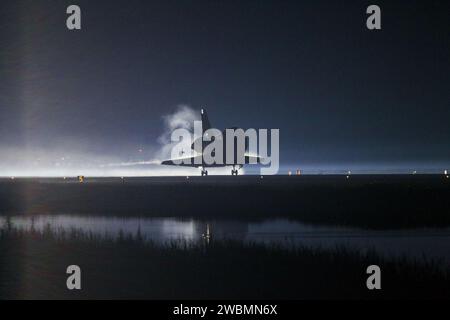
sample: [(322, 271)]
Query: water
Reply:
[(413, 244)]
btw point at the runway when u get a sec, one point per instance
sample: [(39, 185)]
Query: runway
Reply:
[(370, 201)]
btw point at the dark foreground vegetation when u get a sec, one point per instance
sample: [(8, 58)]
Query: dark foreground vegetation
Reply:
[(390, 201), (33, 265)]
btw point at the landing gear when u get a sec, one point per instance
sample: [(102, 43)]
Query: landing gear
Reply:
[(234, 171), (204, 172)]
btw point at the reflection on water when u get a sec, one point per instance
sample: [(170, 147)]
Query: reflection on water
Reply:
[(431, 243)]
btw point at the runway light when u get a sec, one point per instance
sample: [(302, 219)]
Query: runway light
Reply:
[(187, 177), (12, 178), (414, 172), (262, 177), (290, 173), (298, 172), (445, 172)]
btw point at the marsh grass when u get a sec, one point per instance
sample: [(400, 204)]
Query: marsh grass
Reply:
[(33, 265)]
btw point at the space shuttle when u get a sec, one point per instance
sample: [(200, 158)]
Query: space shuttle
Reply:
[(197, 159)]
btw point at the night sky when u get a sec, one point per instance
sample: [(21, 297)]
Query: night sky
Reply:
[(341, 95)]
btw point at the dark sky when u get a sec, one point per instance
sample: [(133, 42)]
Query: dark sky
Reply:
[(339, 93)]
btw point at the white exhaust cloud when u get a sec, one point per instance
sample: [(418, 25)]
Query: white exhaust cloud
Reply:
[(182, 118)]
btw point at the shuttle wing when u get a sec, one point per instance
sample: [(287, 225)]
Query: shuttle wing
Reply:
[(184, 162)]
